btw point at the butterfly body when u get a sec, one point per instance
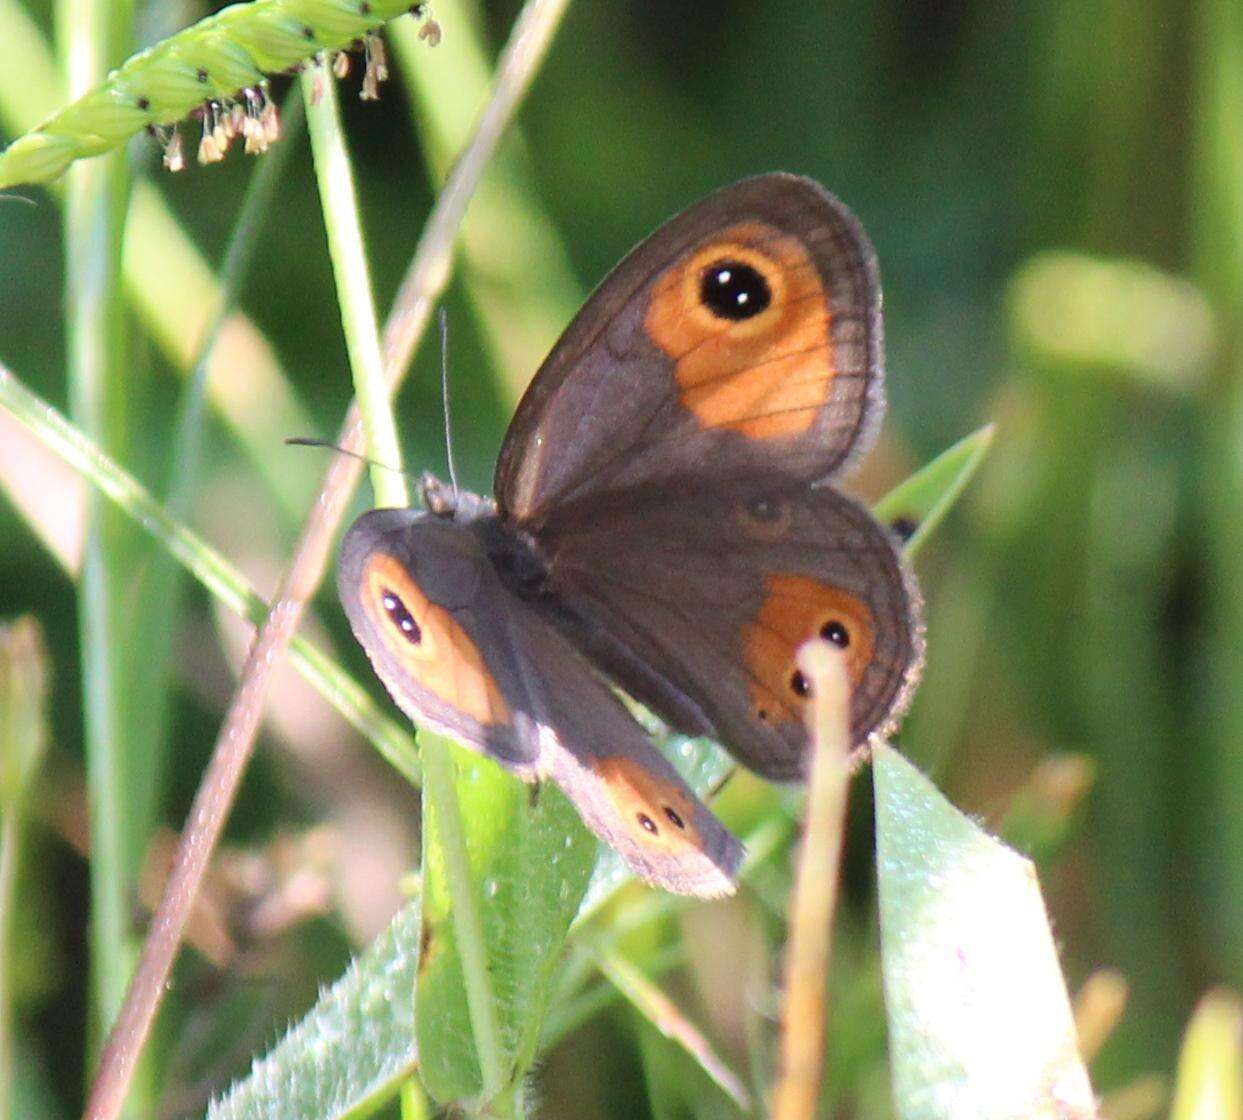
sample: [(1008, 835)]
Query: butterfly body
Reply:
[(664, 521)]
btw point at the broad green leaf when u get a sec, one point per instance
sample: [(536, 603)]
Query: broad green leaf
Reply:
[(351, 1051), (530, 861), (980, 1024), (929, 494)]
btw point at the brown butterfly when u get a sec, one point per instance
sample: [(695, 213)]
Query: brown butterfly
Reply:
[(662, 519)]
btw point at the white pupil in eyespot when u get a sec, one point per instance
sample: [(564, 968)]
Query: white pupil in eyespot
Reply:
[(723, 278)]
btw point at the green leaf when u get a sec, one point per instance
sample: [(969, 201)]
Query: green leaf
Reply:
[(979, 1020), (530, 860), (929, 494), (351, 1051)]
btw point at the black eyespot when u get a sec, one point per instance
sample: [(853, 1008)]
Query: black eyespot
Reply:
[(836, 633), (674, 818), (416, 10), (904, 527), (144, 103), (308, 32), (762, 713), (201, 75), (799, 684), (734, 290), (401, 618), (648, 823)]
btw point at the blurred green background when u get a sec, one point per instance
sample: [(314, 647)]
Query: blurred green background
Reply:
[(1055, 193)]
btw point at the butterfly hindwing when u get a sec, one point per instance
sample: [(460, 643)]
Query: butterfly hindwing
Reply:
[(697, 602)]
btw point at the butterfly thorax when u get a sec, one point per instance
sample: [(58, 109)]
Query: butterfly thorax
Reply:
[(511, 551)]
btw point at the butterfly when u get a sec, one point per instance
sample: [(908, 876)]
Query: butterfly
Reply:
[(663, 520)]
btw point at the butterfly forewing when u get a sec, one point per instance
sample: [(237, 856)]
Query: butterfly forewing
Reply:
[(743, 336), (461, 654)]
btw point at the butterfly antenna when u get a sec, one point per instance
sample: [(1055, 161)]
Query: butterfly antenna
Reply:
[(311, 441), (443, 318)]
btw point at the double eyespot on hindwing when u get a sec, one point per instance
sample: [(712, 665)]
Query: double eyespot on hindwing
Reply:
[(219, 69)]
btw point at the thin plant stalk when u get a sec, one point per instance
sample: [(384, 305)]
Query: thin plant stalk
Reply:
[(440, 786), (424, 282), (1218, 251), (10, 860), (93, 34), (339, 203), (668, 1018), (803, 1010)]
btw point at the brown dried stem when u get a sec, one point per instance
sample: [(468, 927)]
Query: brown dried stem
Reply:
[(803, 1012)]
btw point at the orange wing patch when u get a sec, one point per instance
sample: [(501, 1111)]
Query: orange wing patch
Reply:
[(746, 320), (656, 812), (796, 609), (428, 644)]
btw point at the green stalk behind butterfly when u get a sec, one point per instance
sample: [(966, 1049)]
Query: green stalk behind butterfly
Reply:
[(220, 65)]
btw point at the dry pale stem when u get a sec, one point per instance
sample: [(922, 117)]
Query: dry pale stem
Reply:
[(803, 1013)]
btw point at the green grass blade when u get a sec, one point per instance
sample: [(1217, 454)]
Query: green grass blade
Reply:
[(209, 567), (447, 868), (929, 494), (349, 265), (1217, 210), (23, 744), (120, 765), (980, 1024), (1210, 1065), (352, 1050), (158, 611)]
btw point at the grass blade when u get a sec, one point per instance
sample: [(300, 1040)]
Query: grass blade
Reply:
[(23, 743), (529, 859), (1210, 1066), (209, 567), (119, 765), (929, 494)]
